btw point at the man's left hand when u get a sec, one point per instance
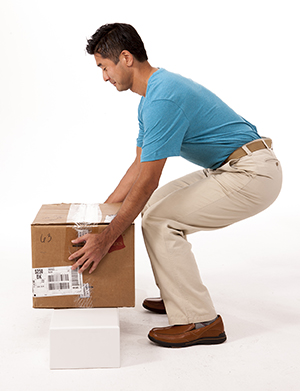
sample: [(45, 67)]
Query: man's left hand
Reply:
[(93, 251)]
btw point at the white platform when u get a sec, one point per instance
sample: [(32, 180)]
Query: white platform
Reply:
[(85, 338)]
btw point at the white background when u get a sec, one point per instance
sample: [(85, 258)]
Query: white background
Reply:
[(66, 136)]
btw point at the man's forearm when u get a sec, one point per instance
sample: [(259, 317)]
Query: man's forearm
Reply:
[(123, 188), (147, 181), (132, 205)]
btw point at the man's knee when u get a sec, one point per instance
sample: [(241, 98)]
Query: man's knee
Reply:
[(145, 217), (149, 219)]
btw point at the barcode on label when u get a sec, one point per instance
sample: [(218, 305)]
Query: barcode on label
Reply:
[(55, 282), (75, 278), (56, 286), (58, 277)]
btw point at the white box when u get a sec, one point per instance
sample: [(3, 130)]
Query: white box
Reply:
[(85, 338)]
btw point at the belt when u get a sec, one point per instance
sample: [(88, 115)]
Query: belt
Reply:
[(253, 146)]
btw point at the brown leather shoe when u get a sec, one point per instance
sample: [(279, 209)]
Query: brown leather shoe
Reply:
[(188, 335), (155, 305)]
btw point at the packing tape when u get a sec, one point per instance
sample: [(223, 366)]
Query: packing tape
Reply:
[(84, 213)]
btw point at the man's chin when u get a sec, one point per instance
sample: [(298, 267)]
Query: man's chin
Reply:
[(121, 88)]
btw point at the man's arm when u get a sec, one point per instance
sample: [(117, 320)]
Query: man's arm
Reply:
[(123, 188), (97, 245)]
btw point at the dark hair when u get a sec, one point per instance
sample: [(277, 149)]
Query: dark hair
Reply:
[(111, 39)]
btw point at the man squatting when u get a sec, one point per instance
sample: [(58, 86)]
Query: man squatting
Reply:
[(240, 176)]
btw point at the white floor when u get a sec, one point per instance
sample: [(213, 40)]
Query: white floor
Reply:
[(252, 271)]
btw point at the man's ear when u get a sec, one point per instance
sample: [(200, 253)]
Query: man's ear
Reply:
[(127, 58)]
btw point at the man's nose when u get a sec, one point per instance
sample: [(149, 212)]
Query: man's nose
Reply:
[(105, 76)]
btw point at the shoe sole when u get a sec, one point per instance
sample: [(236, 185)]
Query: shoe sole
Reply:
[(201, 341), (156, 311)]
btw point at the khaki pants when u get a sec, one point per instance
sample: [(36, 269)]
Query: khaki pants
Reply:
[(203, 200)]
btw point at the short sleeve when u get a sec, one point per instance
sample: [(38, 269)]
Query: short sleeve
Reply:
[(140, 138), (164, 125)]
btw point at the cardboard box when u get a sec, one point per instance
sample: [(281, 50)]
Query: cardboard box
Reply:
[(54, 284)]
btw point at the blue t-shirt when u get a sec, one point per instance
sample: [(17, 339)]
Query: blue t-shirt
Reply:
[(179, 117)]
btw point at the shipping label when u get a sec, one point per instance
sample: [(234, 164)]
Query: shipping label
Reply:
[(56, 281)]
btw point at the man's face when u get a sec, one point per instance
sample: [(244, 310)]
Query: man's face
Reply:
[(118, 74)]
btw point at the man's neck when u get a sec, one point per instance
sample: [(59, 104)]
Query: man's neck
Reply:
[(143, 72)]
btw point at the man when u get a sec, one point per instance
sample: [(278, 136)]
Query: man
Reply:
[(241, 177)]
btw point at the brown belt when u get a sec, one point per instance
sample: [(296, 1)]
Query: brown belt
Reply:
[(253, 146)]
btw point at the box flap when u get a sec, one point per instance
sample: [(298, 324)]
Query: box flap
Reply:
[(76, 213)]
